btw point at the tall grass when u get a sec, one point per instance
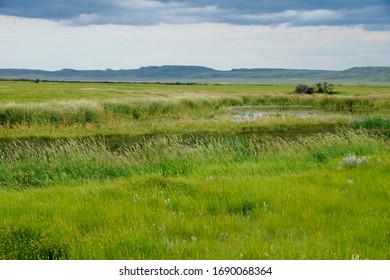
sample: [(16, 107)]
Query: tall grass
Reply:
[(25, 164), (61, 113), (376, 122), (92, 112), (230, 197), (56, 114)]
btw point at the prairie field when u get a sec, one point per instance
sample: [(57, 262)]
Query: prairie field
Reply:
[(193, 171)]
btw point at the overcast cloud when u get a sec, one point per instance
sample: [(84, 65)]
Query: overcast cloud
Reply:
[(372, 13), (223, 34)]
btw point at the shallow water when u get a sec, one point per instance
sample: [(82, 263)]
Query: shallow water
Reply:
[(248, 113)]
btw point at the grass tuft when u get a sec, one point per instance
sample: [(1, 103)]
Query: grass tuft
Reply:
[(23, 243)]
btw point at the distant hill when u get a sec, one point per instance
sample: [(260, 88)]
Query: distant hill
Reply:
[(199, 74)]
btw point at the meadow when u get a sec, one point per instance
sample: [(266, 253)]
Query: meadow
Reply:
[(165, 171)]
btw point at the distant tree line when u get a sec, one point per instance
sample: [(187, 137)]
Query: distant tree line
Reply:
[(318, 88)]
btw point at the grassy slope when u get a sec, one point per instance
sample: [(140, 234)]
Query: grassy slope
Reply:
[(191, 194)]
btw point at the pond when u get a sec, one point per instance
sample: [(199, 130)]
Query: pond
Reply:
[(251, 113)]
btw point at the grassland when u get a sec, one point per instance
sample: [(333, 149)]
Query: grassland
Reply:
[(153, 171)]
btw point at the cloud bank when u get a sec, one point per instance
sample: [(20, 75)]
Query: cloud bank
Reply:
[(222, 34), (373, 14), (50, 45)]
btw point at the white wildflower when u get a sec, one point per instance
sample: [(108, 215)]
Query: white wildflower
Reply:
[(351, 161)]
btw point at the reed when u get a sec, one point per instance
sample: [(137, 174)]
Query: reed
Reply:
[(131, 171), (198, 198), (26, 164)]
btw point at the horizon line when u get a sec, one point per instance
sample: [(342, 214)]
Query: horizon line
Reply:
[(194, 66)]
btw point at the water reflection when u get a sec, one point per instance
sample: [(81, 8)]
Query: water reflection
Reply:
[(250, 113)]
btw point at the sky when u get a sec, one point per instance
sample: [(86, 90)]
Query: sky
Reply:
[(221, 34)]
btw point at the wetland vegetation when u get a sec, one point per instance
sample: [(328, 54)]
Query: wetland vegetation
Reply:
[(157, 171)]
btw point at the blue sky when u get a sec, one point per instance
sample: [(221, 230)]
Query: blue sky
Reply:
[(99, 34)]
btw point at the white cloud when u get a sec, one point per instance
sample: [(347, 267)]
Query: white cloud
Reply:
[(298, 17), (320, 15), (43, 44)]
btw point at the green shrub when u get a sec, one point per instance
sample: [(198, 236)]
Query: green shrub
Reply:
[(324, 88)]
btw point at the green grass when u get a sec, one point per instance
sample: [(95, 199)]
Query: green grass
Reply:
[(374, 122), (174, 198), (88, 109), (22, 92), (135, 171)]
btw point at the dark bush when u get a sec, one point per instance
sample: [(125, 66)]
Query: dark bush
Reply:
[(318, 88), (305, 89)]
